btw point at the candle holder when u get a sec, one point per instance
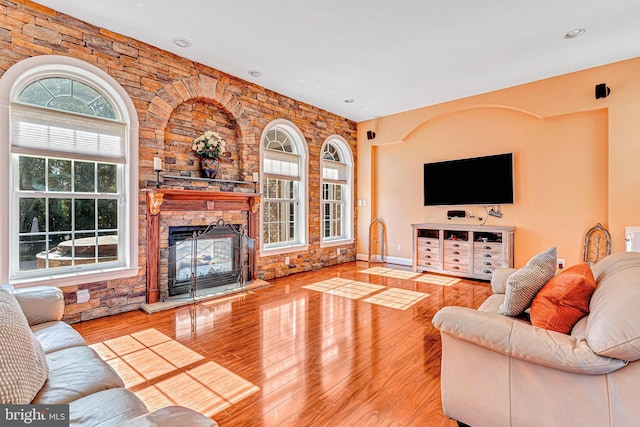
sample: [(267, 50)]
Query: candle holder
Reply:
[(157, 168)]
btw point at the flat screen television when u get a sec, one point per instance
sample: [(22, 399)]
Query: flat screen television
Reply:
[(484, 180)]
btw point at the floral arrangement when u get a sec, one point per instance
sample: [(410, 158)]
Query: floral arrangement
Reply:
[(209, 145)]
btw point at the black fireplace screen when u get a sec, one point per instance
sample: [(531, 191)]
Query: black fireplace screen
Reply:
[(206, 258)]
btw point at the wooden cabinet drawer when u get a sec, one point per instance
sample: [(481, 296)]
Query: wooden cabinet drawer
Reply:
[(463, 268), (428, 249), (488, 247), (479, 264), (456, 259), (427, 256), (428, 242), (483, 273), (456, 245), (495, 258), (429, 263), (458, 252)]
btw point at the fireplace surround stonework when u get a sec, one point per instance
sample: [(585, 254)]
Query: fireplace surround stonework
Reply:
[(177, 100)]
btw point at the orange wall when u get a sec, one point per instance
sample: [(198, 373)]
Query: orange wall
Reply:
[(576, 161)]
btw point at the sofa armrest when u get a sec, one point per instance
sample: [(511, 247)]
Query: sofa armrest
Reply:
[(41, 304), (499, 279), (520, 340), (170, 416)]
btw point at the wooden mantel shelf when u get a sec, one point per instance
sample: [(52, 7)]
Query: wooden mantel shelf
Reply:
[(178, 194), (172, 199)]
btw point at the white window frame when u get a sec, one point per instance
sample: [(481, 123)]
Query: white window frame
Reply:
[(12, 82), (348, 223), (301, 220)]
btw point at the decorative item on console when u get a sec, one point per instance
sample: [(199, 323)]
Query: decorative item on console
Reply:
[(209, 147)]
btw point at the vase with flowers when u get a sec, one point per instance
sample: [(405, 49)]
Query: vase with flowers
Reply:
[(209, 147)]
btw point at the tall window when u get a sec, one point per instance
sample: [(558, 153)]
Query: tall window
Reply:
[(336, 192), (69, 209), (283, 189)]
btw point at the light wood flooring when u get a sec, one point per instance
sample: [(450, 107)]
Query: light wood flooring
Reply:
[(351, 344)]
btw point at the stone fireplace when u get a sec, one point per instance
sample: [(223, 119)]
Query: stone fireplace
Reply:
[(173, 215)]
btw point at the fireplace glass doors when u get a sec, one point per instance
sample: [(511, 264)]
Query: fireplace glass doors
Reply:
[(208, 260)]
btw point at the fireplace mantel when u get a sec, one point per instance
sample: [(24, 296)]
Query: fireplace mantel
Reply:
[(175, 200)]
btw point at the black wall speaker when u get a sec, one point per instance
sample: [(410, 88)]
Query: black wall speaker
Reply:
[(602, 91), (371, 135)]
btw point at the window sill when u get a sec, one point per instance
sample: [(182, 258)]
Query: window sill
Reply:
[(333, 243), (283, 250), (77, 278)]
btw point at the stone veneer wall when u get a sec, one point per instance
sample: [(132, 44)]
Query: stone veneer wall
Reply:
[(176, 100)]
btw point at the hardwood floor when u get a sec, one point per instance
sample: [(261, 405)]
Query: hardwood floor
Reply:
[(309, 350)]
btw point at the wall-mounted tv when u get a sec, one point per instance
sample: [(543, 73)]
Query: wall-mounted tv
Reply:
[(484, 180)]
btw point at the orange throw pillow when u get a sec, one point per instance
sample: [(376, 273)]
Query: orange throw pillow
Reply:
[(564, 299)]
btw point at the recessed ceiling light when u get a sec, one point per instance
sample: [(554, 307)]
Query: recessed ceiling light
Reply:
[(575, 33), (255, 73), (180, 42), (349, 100)]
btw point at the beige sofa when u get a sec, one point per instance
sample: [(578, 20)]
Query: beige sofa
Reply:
[(502, 371), (74, 374)]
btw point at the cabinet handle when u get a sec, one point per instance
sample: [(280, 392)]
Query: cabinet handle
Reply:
[(456, 260), (427, 256), (428, 250), (487, 272), (487, 247), (455, 267), (487, 255), (456, 253), (455, 245), (487, 263)]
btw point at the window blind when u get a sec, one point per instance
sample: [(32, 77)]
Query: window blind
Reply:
[(281, 164), (334, 172), (56, 133)]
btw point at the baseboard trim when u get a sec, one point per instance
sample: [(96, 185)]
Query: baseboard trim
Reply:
[(390, 260)]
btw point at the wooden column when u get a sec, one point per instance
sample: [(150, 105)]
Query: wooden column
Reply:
[(154, 201), (252, 230)]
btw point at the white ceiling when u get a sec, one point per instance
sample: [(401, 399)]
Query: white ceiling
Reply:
[(388, 56)]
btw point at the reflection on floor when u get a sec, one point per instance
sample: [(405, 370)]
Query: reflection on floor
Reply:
[(163, 372), (390, 272), (432, 279), (400, 299)]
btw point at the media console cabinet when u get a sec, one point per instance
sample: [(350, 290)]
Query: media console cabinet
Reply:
[(472, 251)]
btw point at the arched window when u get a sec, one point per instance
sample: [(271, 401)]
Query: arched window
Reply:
[(70, 174), (337, 190), (284, 203)]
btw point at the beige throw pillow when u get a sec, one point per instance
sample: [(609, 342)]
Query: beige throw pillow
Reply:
[(23, 366), (524, 284)]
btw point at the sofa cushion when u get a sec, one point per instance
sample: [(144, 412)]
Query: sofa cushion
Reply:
[(23, 366), (74, 373), (613, 325), (564, 299), (106, 408), (171, 416), (56, 336), (524, 284), (40, 303)]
